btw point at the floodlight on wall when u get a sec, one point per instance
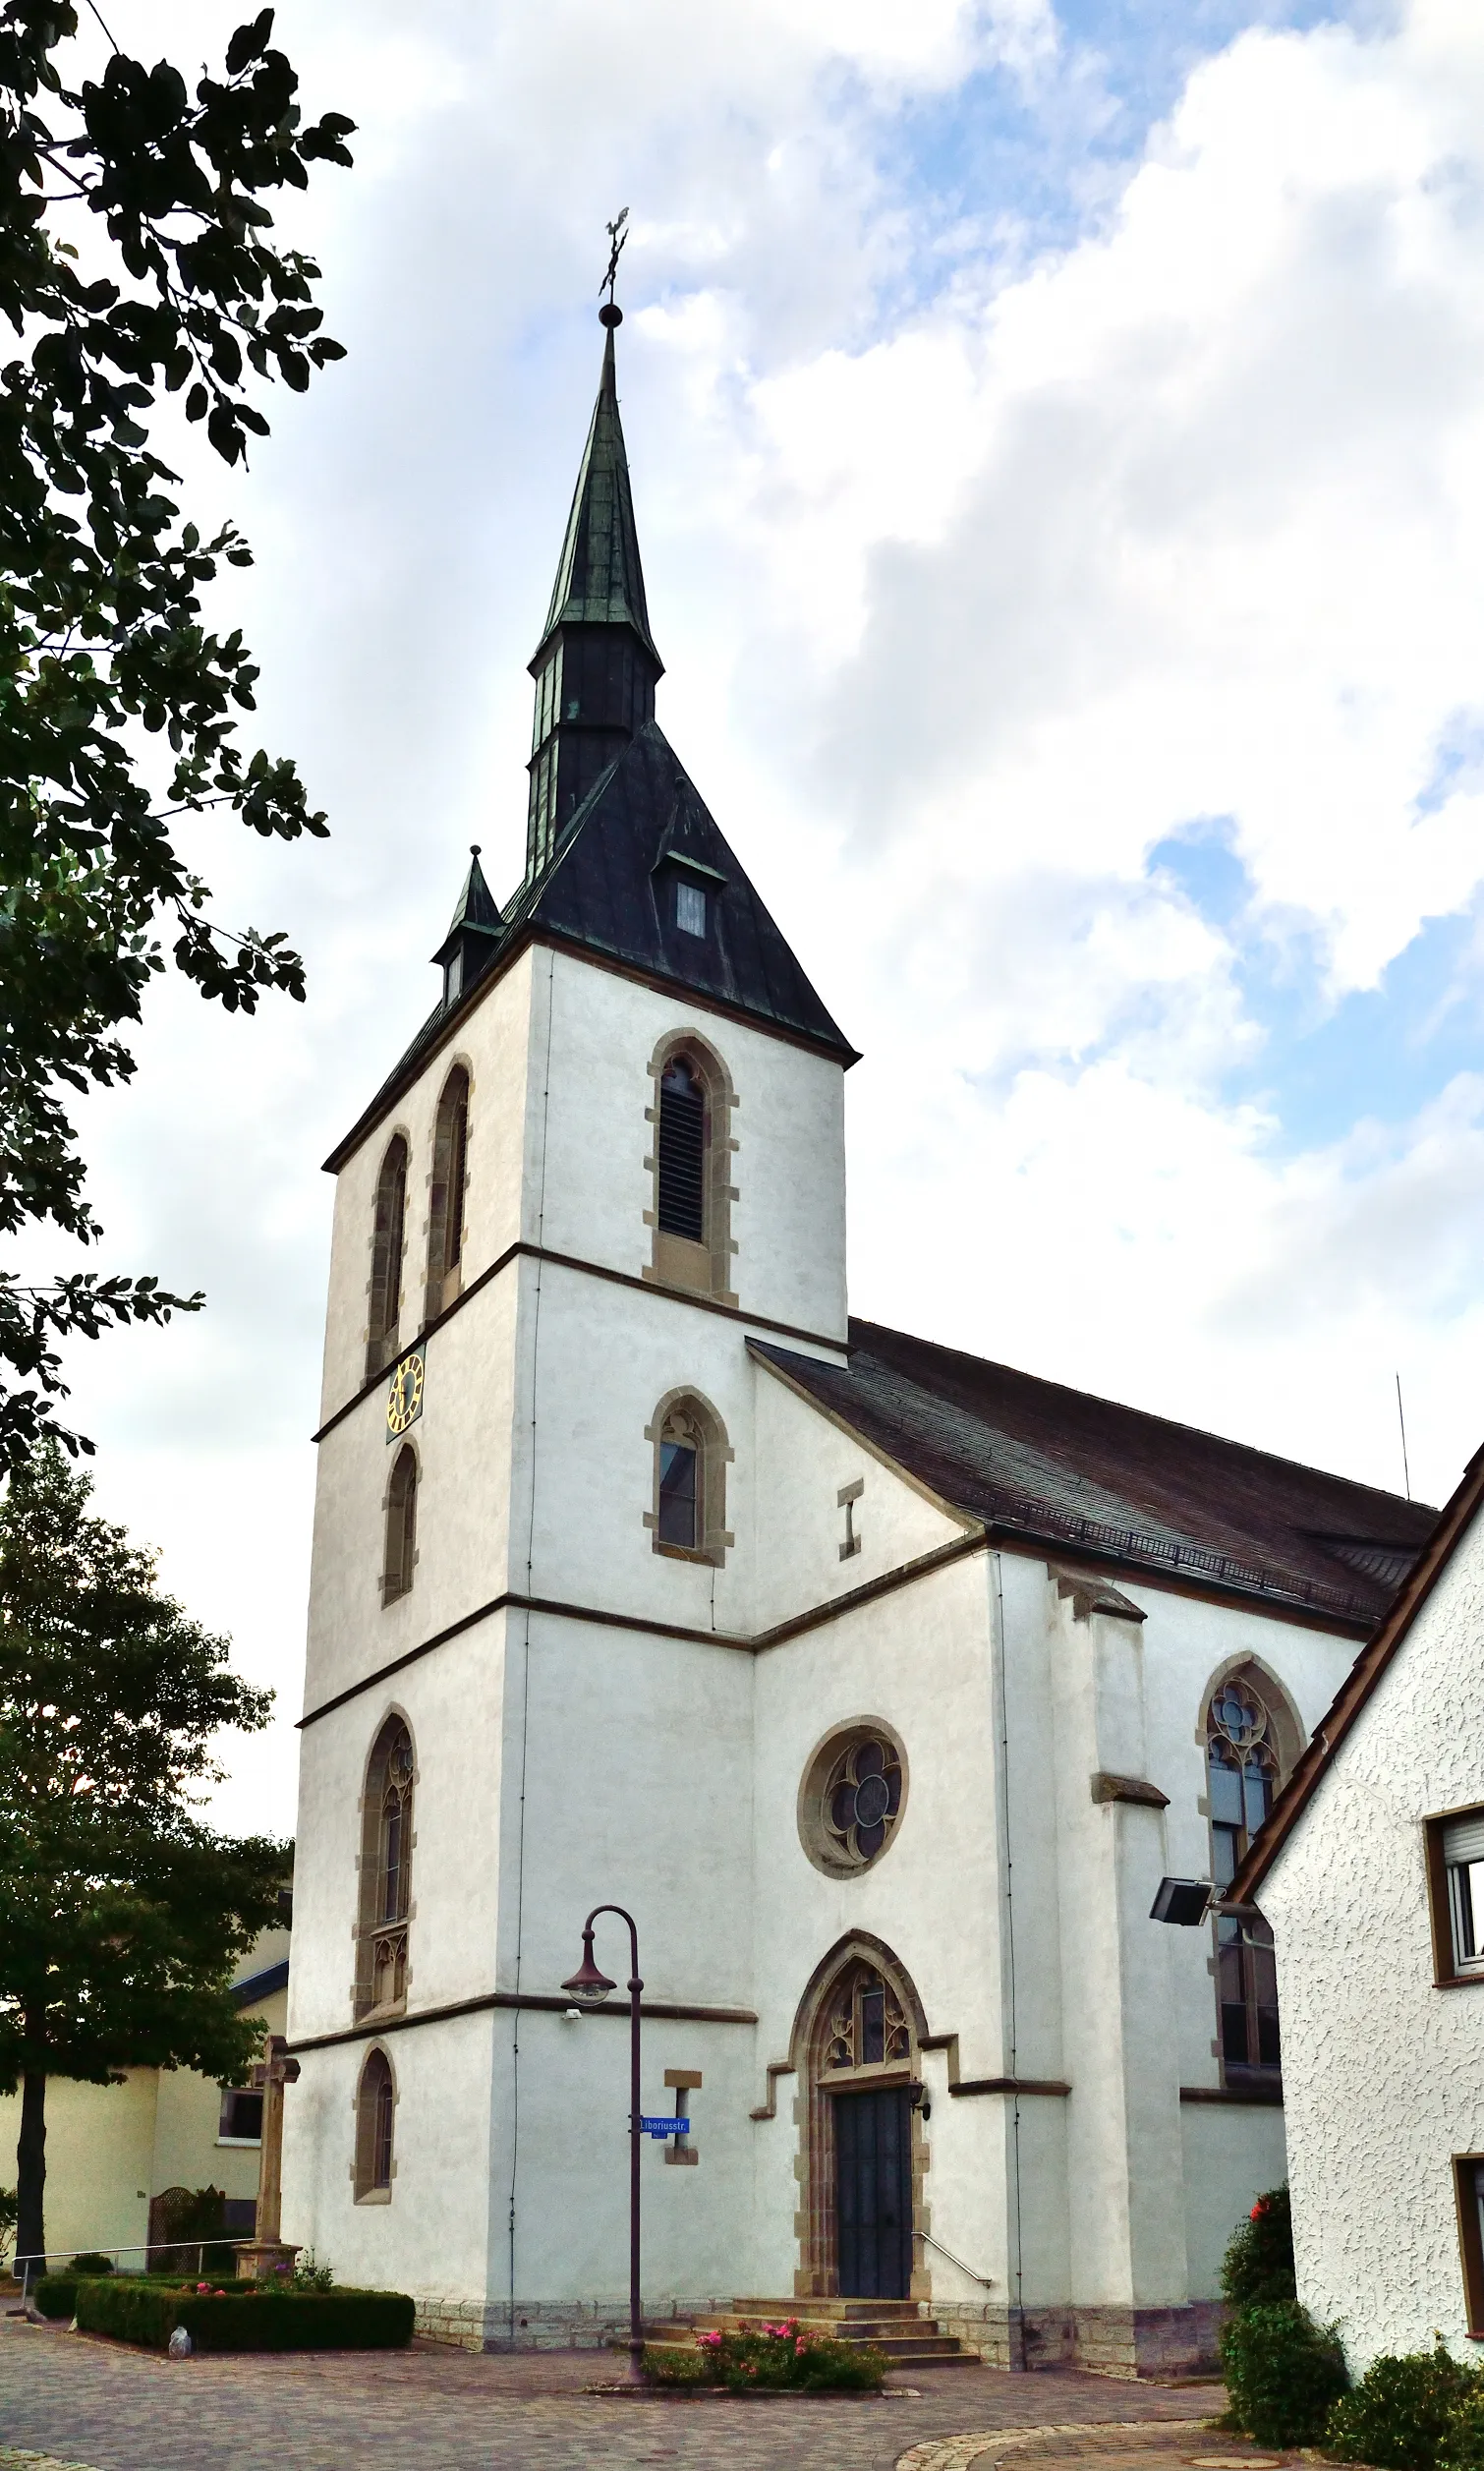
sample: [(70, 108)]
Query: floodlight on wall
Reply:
[(1183, 1901)]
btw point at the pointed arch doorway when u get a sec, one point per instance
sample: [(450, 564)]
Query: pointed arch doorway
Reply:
[(858, 2034)]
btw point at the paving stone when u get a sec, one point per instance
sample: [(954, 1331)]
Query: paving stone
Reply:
[(114, 2408)]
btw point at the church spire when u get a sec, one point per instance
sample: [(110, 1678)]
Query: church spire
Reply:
[(596, 667)]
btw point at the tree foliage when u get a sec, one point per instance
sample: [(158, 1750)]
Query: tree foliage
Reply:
[(124, 1913), (136, 262)]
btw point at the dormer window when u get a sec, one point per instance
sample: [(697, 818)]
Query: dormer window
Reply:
[(690, 908), (453, 977)]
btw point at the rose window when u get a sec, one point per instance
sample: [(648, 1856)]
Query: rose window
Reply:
[(862, 1799)]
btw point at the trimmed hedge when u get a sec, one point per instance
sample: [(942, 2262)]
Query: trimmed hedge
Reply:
[(1404, 2414), (56, 2294), (248, 2320)]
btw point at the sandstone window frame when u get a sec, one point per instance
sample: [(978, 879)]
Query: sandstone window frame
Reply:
[(1449, 1970), (399, 1525), (686, 1414), (1469, 2199), (388, 1251), (835, 1851), (702, 1268), (384, 1901), (812, 2057), (448, 1192), (374, 2167)]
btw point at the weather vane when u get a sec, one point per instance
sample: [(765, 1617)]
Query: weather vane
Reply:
[(617, 238)]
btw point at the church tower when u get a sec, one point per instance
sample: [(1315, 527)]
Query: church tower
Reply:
[(611, 1158)]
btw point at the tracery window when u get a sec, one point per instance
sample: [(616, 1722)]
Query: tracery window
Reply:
[(1242, 1779), (386, 1840), (867, 2026), (386, 1303), (401, 1541), (688, 1516), (375, 2111), (850, 1800), (445, 1198)]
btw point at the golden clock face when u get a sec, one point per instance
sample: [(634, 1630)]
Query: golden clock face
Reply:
[(404, 1398)]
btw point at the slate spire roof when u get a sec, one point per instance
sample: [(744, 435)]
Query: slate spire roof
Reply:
[(599, 580)]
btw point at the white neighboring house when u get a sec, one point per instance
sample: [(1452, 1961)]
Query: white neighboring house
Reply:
[(881, 1684), (1371, 1878)]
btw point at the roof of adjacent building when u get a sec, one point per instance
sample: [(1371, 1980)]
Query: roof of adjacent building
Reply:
[(1034, 1459), (1449, 1529)]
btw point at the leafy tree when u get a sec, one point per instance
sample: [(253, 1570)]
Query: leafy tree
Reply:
[(135, 260), (124, 1914)]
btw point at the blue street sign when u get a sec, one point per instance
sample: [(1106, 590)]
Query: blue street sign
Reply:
[(665, 2127)]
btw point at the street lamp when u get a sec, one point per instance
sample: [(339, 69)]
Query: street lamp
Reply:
[(591, 1988)]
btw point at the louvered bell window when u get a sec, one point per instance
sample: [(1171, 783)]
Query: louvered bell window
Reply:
[(682, 1152), (1463, 1861)]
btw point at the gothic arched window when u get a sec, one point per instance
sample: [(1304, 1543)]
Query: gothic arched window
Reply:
[(387, 1259), (376, 2109), (691, 1213), (445, 1211), (401, 1544), (386, 1840), (868, 2025), (1242, 1779), (689, 1513)]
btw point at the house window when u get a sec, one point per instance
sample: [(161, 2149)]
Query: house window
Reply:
[(376, 2108), (445, 1198), (401, 1545), (386, 1844), (386, 1260), (682, 1151), (239, 2121), (1468, 2194), (1455, 1883), (1241, 1779), (690, 909), (688, 1512)]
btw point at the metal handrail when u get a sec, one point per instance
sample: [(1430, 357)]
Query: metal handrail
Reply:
[(988, 2279)]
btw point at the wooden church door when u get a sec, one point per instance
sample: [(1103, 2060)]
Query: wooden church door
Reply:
[(873, 2147)]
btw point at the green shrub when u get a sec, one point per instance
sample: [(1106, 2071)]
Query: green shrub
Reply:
[(675, 2364), (1462, 2448), (56, 2294), (1400, 2416), (91, 2262), (238, 2318), (1282, 2372), (777, 2358), (1258, 2265)]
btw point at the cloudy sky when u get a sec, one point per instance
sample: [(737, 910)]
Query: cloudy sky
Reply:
[(1057, 439)]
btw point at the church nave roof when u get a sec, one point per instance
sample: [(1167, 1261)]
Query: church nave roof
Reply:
[(1062, 1466)]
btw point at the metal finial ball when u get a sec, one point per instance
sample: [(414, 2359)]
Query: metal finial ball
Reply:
[(610, 315), (474, 849)]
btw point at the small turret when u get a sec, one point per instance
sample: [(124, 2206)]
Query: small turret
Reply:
[(474, 933)]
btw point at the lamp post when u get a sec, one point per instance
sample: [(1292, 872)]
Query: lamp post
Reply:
[(591, 1988)]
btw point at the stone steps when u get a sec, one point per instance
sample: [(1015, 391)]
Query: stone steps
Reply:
[(892, 2325)]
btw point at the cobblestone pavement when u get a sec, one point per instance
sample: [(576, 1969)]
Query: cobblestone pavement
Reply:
[(1067, 2449), (113, 2407)]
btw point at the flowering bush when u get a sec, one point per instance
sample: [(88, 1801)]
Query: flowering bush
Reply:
[(774, 2358), (1258, 2267)]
